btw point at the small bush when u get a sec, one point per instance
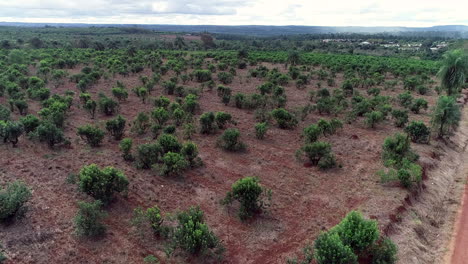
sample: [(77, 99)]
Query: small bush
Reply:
[(247, 191), (102, 184), (418, 132), (49, 133), (225, 77), (373, 118), (284, 119), (147, 155), (222, 118), (169, 143), (396, 148), (141, 123), (316, 151), (384, 252), (418, 104), (11, 131), (225, 94), (120, 93), (90, 107), (173, 164), (260, 130), (30, 123), (330, 249), (160, 116), (125, 146), (12, 200), (405, 99), (400, 117), (116, 127), (357, 232), (405, 178), (193, 235), (92, 134), (190, 152), (88, 220), (230, 140), (207, 123), (107, 105), (312, 133)]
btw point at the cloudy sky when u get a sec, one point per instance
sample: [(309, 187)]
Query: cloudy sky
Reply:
[(237, 12)]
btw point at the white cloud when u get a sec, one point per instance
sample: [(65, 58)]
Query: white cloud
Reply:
[(239, 12)]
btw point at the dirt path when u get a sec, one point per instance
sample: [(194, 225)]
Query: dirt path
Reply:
[(459, 247)]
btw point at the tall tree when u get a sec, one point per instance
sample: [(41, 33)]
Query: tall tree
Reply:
[(446, 115), (454, 71)]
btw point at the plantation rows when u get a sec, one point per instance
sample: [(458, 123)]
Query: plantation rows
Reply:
[(29, 79)]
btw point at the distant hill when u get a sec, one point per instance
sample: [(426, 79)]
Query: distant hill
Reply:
[(257, 30)]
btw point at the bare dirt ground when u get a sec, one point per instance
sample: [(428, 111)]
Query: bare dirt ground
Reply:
[(425, 229), (305, 200)]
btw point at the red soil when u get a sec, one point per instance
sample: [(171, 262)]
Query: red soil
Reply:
[(305, 200)]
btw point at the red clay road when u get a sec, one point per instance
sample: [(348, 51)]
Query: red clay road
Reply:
[(460, 252)]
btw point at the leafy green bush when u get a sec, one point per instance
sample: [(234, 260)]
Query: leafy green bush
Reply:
[(116, 127), (373, 118), (4, 113), (88, 220), (284, 119), (260, 130), (418, 132), (11, 131), (405, 178), (169, 143), (230, 140), (190, 152), (160, 115), (12, 200), (49, 133), (207, 123), (179, 116), (400, 117), (418, 104), (405, 99), (173, 164), (90, 107), (147, 155), (225, 94), (357, 232), (193, 235), (202, 75), (120, 93), (141, 123), (162, 101), (445, 116), (107, 105), (330, 249), (125, 146), (247, 191), (191, 103), (315, 151), (225, 77), (30, 123), (92, 134), (312, 133), (384, 252), (396, 149), (102, 183), (222, 118)]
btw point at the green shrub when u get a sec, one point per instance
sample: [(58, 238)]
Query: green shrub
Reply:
[(405, 178), (230, 140), (169, 143), (179, 116), (173, 164), (418, 132), (330, 249), (191, 103), (405, 99), (225, 94), (169, 87), (107, 105), (327, 162), (316, 151), (11, 131), (396, 148), (30, 123), (312, 133), (418, 104), (12, 200), (147, 155), (222, 118), (284, 119), (125, 146), (202, 75), (120, 93), (92, 134), (50, 133), (190, 152), (193, 235), (247, 191), (373, 118), (88, 220), (160, 115), (102, 183), (141, 123), (446, 115), (207, 123), (260, 130), (169, 129), (116, 127), (162, 101), (384, 252), (400, 117), (4, 113), (225, 77), (90, 107), (357, 232)]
